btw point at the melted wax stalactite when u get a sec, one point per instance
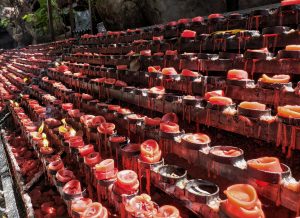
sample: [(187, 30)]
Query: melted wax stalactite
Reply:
[(208, 120), (167, 146), (257, 22), (292, 146), (197, 124), (278, 197), (107, 93), (189, 114), (253, 67), (150, 155), (88, 180), (268, 133), (150, 82), (209, 165), (148, 181), (101, 192), (224, 44), (129, 156), (281, 16), (239, 43), (99, 91), (106, 144), (105, 173), (276, 98), (266, 38), (217, 170)]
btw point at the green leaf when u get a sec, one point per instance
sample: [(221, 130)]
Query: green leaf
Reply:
[(4, 22)]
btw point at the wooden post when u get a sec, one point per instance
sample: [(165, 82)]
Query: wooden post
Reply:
[(91, 19), (50, 19), (71, 15)]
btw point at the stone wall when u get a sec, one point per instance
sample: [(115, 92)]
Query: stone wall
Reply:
[(123, 14), (6, 41)]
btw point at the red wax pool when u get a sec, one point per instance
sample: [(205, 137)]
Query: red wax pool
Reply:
[(152, 121), (170, 117), (95, 210), (67, 106), (45, 150), (127, 182), (64, 175), (79, 205), (197, 138), (189, 73), (169, 71), (171, 52), (92, 159), (242, 202), (152, 69), (157, 90), (237, 74), (213, 94), (72, 187), (105, 170), (150, 151), (106, 128), (169, 127), (85, 150), (167, 211), (141, 206), (213, 16), (56, 165), (145, 52), (188, 34)]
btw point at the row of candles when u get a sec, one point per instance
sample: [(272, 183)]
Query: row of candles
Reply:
[(149, 146), (248, 110), (198, 61), (67, 108), (169, 78), (168, 126), (154, 143), (292, 184), (69, 187), (214, 22)]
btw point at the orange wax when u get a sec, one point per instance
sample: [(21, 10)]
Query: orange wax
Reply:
[(169, 127), (275, 79), (270, 164), (46, 150), (167, 211), (242, 202), (252, 105), (219, 100), (289, 111), (197, 138), (157, 90), (293, 47), (169, 71)]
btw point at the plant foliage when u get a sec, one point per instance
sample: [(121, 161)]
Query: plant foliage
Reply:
[(39, 18), (4, 22)]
